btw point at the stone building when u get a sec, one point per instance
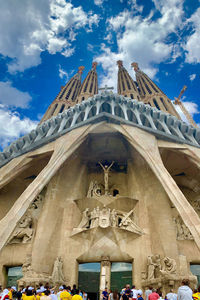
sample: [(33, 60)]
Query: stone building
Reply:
[(106, 182)]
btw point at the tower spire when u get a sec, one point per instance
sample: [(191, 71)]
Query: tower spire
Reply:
[(90, 84), (126, 85), (67, 96), (151, 94)]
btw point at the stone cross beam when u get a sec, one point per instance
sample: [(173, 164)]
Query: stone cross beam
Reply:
[(106, 88)]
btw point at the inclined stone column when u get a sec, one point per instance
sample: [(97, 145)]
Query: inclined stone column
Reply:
[(105, 273)]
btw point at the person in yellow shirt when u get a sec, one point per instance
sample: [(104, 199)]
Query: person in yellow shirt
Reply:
[(29, 295), (38, 294), (11, 290), (77, 296), (65, 295), (196, 295)]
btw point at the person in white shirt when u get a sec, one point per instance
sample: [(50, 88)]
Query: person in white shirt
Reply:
[(148, 292), (134, 292), (185, 292), (171, 295), (60, 291), (53, 296)]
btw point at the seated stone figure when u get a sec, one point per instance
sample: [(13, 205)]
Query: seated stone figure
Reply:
[(24, 231)]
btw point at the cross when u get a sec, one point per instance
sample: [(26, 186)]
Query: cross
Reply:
[(106, 88)]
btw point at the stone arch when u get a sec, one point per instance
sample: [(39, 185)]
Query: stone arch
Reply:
[(173, 131), (131, 116), (80, 117), (68, 123), (105, 107), (159, 125), (145, 121), (92, 112), (119, 112)]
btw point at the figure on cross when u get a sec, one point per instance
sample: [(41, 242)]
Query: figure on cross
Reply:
[(106, 89)]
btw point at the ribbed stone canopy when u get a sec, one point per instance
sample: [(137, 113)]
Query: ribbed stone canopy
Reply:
[(109, 107)]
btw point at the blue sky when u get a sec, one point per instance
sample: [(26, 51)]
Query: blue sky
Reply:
[(43, 42)]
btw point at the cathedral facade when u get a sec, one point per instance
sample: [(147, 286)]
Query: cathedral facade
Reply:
[(104, 179)]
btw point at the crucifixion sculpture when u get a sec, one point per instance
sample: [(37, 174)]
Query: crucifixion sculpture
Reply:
[(106, 170)]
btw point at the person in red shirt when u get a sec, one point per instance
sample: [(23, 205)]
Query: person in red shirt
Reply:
[(153, 295)]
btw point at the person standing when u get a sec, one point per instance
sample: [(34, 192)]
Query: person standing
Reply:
[(171, 295), (153, 295), (196, 294), (65, 295), (77, 296), (29, 294), (139, 296), (105, 294), (74, 290), (184, 291), (84, 295), (134, 292), (53, 295), (148, 292)]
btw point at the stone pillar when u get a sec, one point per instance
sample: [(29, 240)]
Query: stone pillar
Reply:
[(105, 273)]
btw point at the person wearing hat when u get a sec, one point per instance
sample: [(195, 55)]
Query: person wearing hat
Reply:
[(60, 291), (4, 294), (139, 295), (11, 290)]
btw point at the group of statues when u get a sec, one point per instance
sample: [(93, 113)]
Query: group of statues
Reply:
[(157, 267), (106, 217), (182, 231)]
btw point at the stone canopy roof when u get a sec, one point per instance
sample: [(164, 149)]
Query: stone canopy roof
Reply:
[(112, 108)]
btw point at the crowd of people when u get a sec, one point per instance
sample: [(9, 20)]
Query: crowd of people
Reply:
[(43, 292), (127, 293)]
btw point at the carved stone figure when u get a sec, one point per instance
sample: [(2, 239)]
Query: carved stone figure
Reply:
[(27, 265), (93, 217), (158, 265), (106, 170), (113, 218), (96, 219), (94, 189), (85, 219), (104, 218), (182, 231), (24, 231), (150, 268), (36, 204), (169, 266), (57, 274)]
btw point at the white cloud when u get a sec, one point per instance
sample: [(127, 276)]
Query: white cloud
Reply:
[(98, 2), (29, 27), (192, 77), (191, 107), (63, 74), (10, 96), (144, 40), (192, 45), (17, 126), (68, 52)]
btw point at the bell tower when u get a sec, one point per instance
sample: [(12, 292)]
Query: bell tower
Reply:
[(151, 94), (90, 84), (67, 96), (126, 85)]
